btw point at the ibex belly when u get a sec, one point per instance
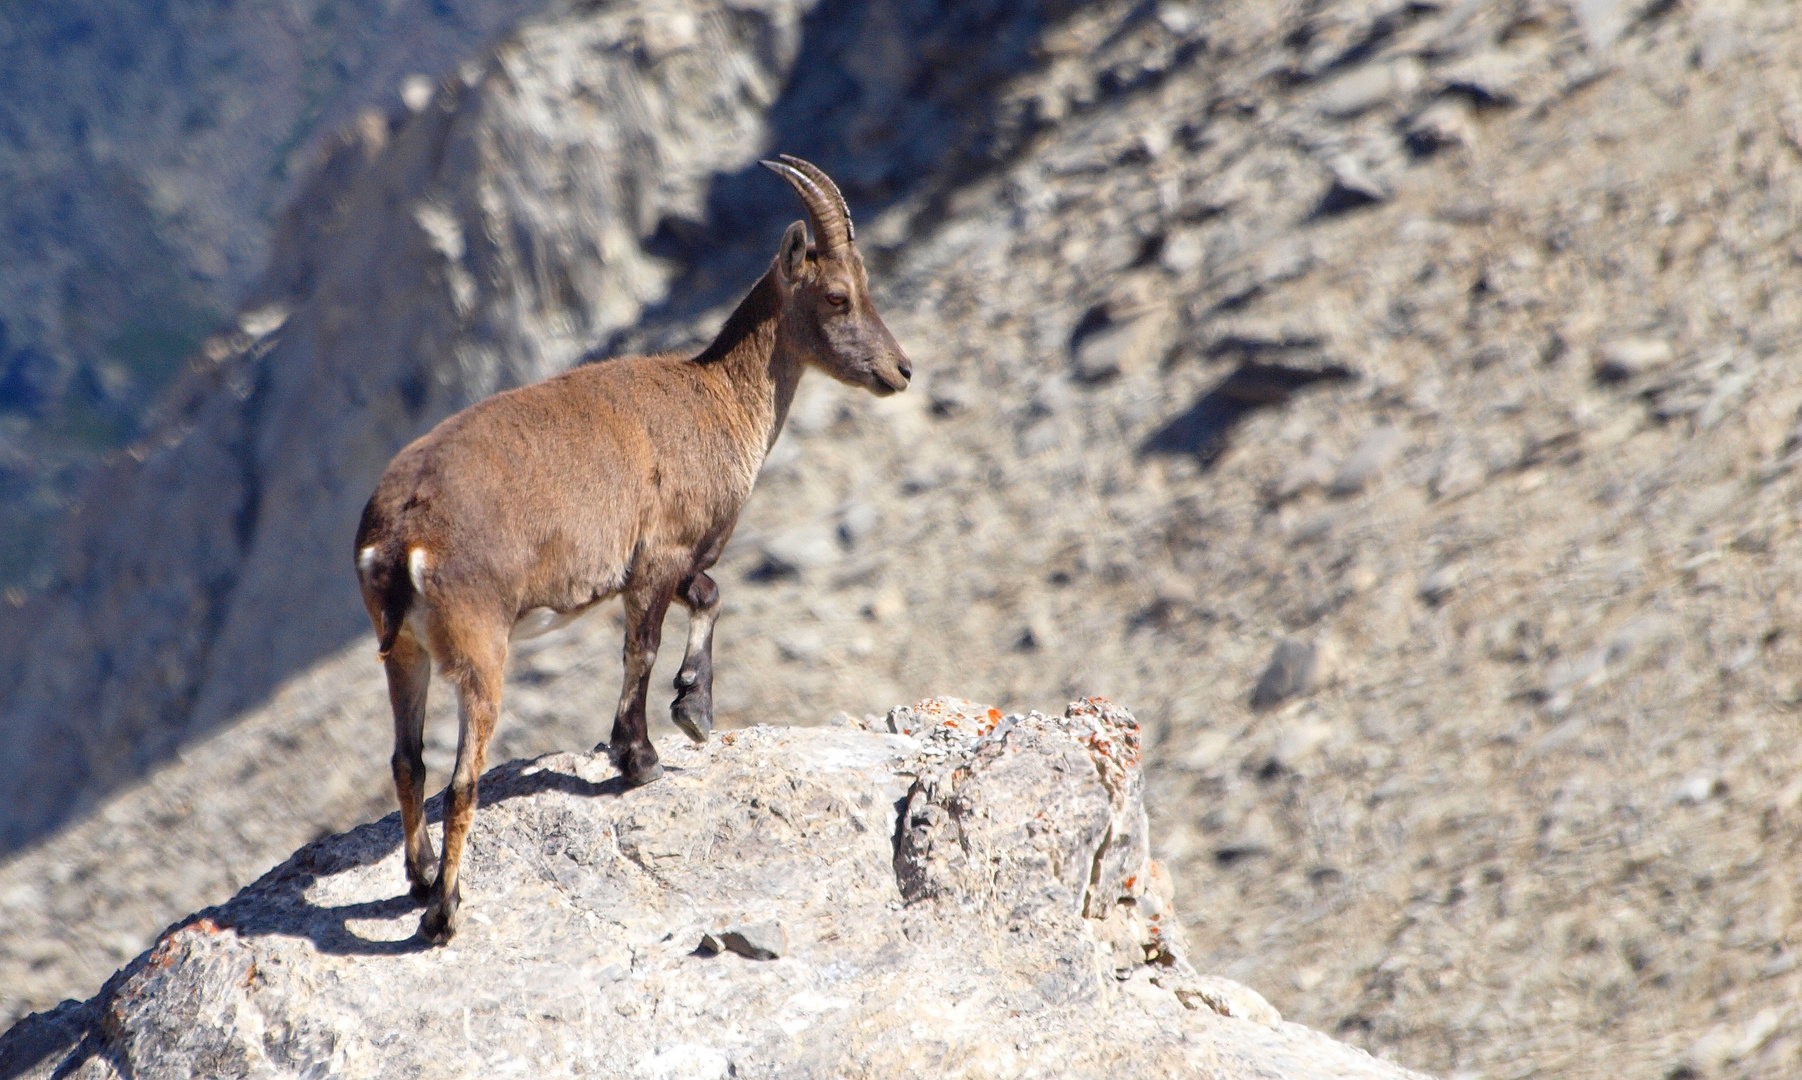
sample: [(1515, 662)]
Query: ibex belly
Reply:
[(538, 621)]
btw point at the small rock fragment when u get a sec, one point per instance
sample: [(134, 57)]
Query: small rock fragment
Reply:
[(1297, 667), (1626, 358), (1227, 998), (1183, 251), (1440, 583), (1698, 789), (1459, 473), (756, 941), (950, 397), (1124, 345), (1446, 122), (802, 645), (1300, 742), (1364, 88), (1494, 77), (887, 605), (926, 475), (1353, 184), (260, 322), (806, 547), (1305, 473), (1501, 354), (857, 520), (1378, 450), (1052, 396), (1313, 530), (416, 92)]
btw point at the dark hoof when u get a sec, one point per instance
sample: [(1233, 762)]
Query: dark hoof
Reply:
[(419, 885), (693, 713), (641, 777), (440, 921), (420, 891), (637, 765)]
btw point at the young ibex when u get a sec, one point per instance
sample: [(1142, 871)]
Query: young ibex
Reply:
[(522, 512)]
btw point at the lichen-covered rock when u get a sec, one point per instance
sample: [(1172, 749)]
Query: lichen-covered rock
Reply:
[(980, 937)]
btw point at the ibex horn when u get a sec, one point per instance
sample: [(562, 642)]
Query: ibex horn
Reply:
[(825, 205)]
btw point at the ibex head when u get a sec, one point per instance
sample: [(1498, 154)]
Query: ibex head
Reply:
[(827, 313)]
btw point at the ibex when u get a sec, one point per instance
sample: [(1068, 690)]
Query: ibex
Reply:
[(525, 510)]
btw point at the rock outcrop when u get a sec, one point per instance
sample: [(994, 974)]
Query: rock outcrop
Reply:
[(975, 898)]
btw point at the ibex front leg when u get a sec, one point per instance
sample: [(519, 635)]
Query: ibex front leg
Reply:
[(630, 743), (692, 710)]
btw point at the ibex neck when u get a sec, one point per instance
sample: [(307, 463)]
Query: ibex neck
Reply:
[(749, 351)]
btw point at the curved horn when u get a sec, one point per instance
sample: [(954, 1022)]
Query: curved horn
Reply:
[(819, 177), (825, 205)]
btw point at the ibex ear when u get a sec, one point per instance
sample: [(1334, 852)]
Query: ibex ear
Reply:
[(792, 256)]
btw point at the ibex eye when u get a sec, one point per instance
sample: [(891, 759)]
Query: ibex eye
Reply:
[(836, 299)]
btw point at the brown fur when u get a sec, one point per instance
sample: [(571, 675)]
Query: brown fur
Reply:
[(621, 478)]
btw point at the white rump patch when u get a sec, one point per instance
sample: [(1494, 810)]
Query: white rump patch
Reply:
[(366, 561), (416, 568)]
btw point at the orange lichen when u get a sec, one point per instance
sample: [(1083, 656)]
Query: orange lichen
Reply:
[(163, 955)]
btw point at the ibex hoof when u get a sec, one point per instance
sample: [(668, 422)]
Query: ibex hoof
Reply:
[(641, 777), (693, 714), (420, 882), (439, 923), (637, 765), (420, 891)]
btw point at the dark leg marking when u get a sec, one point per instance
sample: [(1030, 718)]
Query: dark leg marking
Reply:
[(692, 710), (630, 743)]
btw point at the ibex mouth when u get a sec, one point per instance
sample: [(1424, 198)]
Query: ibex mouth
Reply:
[(892, 374)]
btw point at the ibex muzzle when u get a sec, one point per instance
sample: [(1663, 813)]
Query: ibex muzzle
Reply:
[(622, 478)]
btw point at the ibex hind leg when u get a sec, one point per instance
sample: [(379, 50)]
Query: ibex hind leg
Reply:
[(692, 709), (409, 670), (473, 662)]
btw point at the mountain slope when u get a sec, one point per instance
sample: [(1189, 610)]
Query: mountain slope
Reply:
[(145, 151), (1451, 344)]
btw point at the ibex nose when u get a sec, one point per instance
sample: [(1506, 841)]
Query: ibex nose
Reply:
[(907, 369)]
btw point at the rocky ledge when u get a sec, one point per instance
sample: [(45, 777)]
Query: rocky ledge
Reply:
[(957, 893)]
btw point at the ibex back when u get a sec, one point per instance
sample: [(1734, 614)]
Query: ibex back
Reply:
[(623, 478)]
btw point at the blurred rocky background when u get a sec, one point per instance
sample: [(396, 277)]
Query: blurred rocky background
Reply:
[(1395, 403), (146, 151)]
